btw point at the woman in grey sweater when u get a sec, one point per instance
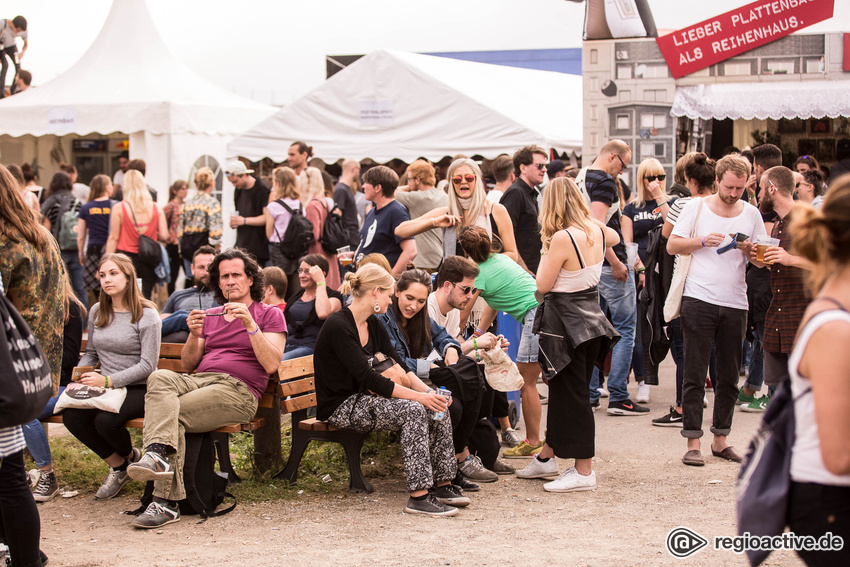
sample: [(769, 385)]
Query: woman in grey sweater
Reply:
[(124, 337)]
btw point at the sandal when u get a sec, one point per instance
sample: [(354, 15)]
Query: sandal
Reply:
[(729, 453), (693, 458)]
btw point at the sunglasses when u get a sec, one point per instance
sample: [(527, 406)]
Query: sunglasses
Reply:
[(466, 289), (540, 166), (652, 178), (201, 306), (469, 178)]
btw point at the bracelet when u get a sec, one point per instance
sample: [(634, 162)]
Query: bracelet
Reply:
[(477, 356), (255, 332), (703, 241), (475, 342), (477, 333), (106, 384), (429, 390), (641, 270), (320, 283)]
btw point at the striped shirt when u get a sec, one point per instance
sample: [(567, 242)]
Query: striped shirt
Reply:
[(676, 208)]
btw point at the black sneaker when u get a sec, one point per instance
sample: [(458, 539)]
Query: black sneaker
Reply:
[(450, 496), (626, 407), (464, 483), (429, 506), (672, 419)]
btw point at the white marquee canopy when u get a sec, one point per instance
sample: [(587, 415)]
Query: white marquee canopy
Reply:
[(391, 104)]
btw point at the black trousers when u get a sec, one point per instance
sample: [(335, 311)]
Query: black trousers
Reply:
[(103, 432), (4, 67), (703, 323), (175, 262), (815, 509), (20, 525), (143, 271), (571, 428), (463, 412)]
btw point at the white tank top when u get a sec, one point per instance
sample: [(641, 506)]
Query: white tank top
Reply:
[(806, 460), (579, 280)]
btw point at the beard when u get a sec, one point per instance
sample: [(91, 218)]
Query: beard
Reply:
[(728, 199), (766, 205)]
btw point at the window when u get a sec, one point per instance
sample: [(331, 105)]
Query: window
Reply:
[(652, 149), (623, 122), (593, 85), (737, 68), (653, 71), (212, 163), (594, 56), (648, 120), (815, 66), (780, 66), (594, 115), (624, 71)]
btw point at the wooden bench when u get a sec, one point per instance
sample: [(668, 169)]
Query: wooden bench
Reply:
[(297, 389), (266, 439)]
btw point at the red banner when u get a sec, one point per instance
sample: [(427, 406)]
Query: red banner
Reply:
[(738, 31)]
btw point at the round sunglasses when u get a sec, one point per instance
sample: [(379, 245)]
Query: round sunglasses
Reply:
[(469, 178)]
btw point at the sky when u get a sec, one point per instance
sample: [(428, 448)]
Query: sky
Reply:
[(274, 51)]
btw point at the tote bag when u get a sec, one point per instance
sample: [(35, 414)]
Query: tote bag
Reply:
[(673, 303)]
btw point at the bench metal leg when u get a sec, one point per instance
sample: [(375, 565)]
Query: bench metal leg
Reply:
[(352, 442), (299, 445), (222, 449)]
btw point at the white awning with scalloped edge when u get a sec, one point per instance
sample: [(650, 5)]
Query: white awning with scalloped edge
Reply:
[(789, 99)]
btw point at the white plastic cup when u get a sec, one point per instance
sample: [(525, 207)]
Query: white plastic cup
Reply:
[(632, 254)]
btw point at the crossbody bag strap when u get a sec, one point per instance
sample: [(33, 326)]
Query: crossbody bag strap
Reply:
[(696, 220)]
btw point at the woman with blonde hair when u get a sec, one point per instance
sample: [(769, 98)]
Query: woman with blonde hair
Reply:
[(319, 205), (468, 206), (819, 498), (124, 338), (137, 214), (200, 223), (285, 199), (93, 225), (351, 394), (646, 212), (574, 333)]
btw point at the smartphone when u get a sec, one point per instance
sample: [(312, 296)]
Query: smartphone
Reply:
[(78, 372), (731, 242)]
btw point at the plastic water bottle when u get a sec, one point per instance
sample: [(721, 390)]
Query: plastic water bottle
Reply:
[(441, 415)]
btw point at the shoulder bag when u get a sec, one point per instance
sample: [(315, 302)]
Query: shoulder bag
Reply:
[(150, 253), (673, 303)]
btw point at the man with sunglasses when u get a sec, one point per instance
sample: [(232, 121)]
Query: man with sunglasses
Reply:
[(598, 184), (521, 202)]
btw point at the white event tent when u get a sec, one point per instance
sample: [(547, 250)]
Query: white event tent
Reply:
[(391, 104), (128, 82)]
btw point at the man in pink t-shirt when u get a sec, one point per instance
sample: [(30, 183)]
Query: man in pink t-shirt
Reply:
[(232, 349)]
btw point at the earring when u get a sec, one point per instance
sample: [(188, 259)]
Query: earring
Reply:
[(377, 307)]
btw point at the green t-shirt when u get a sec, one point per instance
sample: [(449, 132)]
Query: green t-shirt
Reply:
[(505, 286)]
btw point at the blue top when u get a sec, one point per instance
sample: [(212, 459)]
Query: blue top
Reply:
[(378, 232), (440, 341), (96, 214)]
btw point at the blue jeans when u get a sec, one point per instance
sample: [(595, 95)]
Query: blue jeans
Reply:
[(175, 322), (36, 437), (296, 351), (75, 272), (620, 299)]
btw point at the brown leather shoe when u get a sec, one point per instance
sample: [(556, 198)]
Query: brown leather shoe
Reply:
[(693, 458), (729, 453)]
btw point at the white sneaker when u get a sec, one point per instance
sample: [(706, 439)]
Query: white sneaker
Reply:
[(538, 469), (603, 393), (571, 481), (642, 393), (705, 401)]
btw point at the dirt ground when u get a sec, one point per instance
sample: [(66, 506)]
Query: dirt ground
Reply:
[(643, 492)]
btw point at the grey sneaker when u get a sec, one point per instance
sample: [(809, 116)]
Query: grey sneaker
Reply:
[(472, 469), (450, 496), (115, 481), (136, 455), (430, 506), (156, 515), (150, 467), (511, 438), (46, 488), (501, 467)]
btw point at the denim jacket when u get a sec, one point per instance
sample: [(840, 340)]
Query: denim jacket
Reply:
[(440, 339)]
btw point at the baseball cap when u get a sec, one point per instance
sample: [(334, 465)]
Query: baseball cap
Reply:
[(236, 167), (555, 166)]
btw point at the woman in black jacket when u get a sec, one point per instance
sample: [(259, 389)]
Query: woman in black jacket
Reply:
[(352, 395)]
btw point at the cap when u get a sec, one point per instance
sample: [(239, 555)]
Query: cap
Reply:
[(236, 167), (555, 166)]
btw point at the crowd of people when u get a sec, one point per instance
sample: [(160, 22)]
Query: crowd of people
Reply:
[(402, 313)]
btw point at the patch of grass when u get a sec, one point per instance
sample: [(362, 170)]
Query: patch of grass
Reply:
[(79, 468)]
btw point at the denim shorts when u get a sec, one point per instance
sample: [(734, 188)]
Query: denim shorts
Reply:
[(528, 342)]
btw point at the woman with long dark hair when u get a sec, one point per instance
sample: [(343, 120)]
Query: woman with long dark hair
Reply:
[(173, 210), (307, 310), (31, 275), (574, 333), (415, 335), (124, 337), (351, 394)]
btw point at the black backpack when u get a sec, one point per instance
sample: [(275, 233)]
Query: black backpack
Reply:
[(206, 488), (334, 233), (299, 236)]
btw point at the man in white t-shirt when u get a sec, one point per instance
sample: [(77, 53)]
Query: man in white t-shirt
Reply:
[(118, 178), (714, 302), (453, 290)]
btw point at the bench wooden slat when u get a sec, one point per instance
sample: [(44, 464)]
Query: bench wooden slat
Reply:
[(296, 368), (299, 403), (266, 401), (297, 386), (139, 423), (313, 424), (169, 364)]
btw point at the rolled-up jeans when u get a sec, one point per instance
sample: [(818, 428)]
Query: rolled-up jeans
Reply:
[(620, 299), (702, 323)]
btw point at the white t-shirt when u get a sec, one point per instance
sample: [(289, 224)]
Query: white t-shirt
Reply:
[(118, 178), (806, 458), (451, 321), (715, 278)]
